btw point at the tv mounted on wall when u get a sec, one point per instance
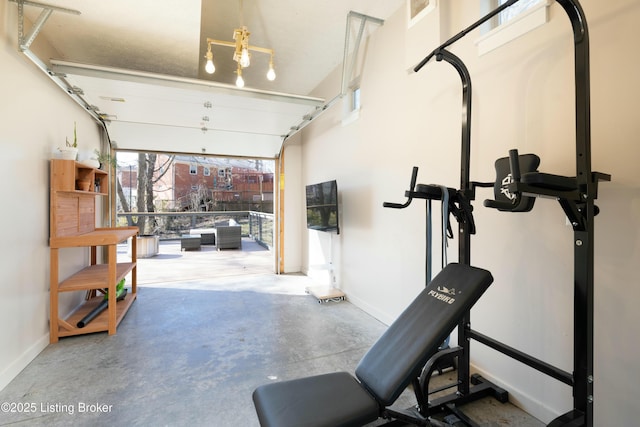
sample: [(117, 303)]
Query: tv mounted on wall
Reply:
[(322, 207)]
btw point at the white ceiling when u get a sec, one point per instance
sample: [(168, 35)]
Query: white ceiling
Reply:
[(149, 53)]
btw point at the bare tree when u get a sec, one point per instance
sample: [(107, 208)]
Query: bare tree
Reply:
[(199, 198), (148, 174)]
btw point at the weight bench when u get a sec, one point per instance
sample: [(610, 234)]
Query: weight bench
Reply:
[(385, 371)]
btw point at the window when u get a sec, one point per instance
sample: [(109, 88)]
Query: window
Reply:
[(193, 169), (221, 173), (355, 99), (511, 23), (351, 105), (206, 171), (513, 11)]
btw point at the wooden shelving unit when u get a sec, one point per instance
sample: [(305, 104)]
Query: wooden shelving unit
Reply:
[(72, 224)]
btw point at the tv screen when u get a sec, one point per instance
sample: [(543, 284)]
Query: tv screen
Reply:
[(322, 206)]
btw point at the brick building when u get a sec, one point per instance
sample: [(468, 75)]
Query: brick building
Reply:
[(208, 183)]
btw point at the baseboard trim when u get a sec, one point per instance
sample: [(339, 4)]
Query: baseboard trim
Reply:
[(522, 400), (12, 371), (369, 309)]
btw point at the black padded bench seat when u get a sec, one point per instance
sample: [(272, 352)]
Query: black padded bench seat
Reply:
[(335, 399), (340, 399)]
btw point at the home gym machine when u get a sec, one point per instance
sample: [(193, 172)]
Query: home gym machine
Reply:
[(517, 184)]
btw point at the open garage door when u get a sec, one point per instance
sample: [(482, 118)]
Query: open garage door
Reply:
[(154, 112)]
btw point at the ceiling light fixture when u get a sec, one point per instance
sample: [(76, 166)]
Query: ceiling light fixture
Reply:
[(241, 53)]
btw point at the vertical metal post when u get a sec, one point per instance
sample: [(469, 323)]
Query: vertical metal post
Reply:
[(464, 232), (583, 239)]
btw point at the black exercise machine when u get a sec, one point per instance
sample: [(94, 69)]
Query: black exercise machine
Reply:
[(396, 360), (517, 184), (407, 353)]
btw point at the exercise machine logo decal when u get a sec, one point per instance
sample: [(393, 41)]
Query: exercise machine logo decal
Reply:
[(444, 294), (505, 187)]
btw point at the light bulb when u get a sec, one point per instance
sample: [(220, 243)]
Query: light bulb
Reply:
[(209, 67), (271, 74), (245, 61), (240, 81)]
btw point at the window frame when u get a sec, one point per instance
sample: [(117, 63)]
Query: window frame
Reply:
[(352, 103), (505, 16), (536, 15)]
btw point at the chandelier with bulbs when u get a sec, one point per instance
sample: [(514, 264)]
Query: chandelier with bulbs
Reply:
[(241, 54)]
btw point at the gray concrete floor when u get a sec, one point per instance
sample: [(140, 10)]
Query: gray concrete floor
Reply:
[(208, 328)]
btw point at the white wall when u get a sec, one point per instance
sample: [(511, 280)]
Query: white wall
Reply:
[(290, 179), (522, 98), (36, 118)]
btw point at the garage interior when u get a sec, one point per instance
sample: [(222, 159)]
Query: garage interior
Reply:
[(345, 105)]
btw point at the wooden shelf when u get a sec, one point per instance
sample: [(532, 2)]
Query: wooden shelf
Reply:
[(88, 193), (65, 175), (72, 224), (97, 237), (68, 327), (94, 277)]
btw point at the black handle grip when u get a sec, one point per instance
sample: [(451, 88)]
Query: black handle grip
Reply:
[(514, 164), (412, 184), (496, 204), (414, 177), (393, 205)]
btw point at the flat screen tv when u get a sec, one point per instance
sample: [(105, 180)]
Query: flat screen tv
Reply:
[(322, 207)]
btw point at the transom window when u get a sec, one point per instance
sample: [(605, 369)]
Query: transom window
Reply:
[(516, 20), (355, 99), (513, 11)]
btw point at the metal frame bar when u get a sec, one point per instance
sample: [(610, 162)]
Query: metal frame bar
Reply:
[(235, 45), (520, 356), (578, 206), (306, 120), (464, 227), (465, 392), (348, 69), (583, 239), (354, 56), (47, 6), (24, 42), (463, 33)]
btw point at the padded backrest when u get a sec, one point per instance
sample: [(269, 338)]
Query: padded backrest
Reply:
[(401, 352), (528, 163)]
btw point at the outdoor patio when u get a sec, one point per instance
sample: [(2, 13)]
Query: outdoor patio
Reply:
[(173, 267)]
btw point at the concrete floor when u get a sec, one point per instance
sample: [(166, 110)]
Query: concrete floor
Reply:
[(193, 347)]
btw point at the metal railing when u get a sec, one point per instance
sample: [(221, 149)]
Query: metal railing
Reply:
[(261, 228), (171, 225)]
